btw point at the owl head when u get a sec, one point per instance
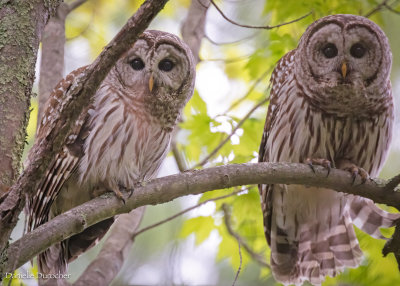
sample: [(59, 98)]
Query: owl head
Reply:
[(158, 71), (345, 58)]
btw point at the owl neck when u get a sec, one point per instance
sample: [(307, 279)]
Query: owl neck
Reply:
[(165, 107), (349, 101)]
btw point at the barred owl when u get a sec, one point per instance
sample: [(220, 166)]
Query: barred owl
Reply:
[(118, 141), (331, 104)]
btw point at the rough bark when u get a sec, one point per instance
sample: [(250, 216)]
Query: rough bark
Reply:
[(165, 189), (21, 25), (76, 99)]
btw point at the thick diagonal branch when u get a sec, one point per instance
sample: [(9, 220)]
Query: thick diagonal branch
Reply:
[(194, 182)]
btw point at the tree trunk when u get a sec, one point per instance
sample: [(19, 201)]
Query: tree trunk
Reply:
[(21, 24)]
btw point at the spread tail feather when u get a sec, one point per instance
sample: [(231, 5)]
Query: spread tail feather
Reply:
[(369, 217), (317, 253)]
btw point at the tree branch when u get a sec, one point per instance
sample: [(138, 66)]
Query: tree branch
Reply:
[(383, 5), (256, 27), (109, 261), (76, 99), (165, 189), (223, 142), (249, 91), (72, 6), (52, 60), (193, 26)]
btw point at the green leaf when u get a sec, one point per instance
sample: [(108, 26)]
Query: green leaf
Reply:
[(201, 226)]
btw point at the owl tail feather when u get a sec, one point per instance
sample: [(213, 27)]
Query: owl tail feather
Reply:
[(369, 217), (52, 263), (318, 252)]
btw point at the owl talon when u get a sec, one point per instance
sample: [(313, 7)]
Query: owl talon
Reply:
[(312, 167), (355, 171), (321, 162), (118, 193), (131, 192)]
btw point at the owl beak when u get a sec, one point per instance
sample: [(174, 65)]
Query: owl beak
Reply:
[(344, 69), (151, 83)]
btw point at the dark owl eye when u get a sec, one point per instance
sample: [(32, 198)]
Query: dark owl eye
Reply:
[(137, 64), (358, 50), (330, 51), (166, 65)]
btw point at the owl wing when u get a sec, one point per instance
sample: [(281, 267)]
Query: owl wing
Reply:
[(278, 77), (64, 163)]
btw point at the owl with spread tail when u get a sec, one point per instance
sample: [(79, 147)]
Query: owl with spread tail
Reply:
[(330, 104)]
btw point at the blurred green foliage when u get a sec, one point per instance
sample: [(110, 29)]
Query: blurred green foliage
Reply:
[(201, 132)]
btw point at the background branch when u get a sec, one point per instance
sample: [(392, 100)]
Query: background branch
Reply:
[(194, 182), (109, 261), (383, 5), (76, 99), (228, 223), (193, 26), (183, 212), (52, 60), (223, 142), (267, 27)]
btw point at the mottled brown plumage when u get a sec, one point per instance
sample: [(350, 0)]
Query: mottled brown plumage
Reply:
[(118, 141), (331, 102)]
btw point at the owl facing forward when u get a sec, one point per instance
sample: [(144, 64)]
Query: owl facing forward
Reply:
[(119, 140), (331, 104)]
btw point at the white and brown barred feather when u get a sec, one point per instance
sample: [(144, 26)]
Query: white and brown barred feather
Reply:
[(310, 230), (65, 162)]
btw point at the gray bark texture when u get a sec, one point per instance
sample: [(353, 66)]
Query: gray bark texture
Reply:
[(21, 25)]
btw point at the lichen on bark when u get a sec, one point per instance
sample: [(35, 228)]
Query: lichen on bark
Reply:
[(21, 24)]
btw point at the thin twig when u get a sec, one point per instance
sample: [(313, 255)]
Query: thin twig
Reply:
[(228, 61), (391, 9), (257, 27), (180, 161), (240, 265), (223, 142), (227, 219), (183, 212), (379, 7), (230, 43), (249, 91)]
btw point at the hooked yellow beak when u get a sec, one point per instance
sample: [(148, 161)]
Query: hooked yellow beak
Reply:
[(151, 82), (344, 69)]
